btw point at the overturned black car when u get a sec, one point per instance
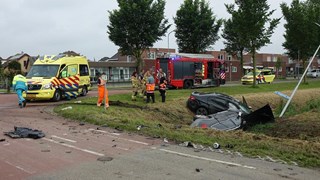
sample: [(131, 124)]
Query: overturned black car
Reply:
[(223, 112)]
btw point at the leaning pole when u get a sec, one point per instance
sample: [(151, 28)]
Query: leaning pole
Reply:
[(296, 88)]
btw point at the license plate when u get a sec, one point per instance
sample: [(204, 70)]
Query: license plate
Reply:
[(31, 95)]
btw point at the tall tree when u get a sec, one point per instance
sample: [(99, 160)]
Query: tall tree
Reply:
[(301, 18), (254, 16), (136, 26), (235, 34), (196, 26)]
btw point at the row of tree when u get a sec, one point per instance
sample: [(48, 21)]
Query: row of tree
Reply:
[(138, 24)]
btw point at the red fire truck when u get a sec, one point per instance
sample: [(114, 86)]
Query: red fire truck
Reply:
[(185, 72)]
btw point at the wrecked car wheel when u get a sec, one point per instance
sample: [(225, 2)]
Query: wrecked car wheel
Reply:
[(201, 111)]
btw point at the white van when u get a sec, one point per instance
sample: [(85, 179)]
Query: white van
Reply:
[(313, 73)]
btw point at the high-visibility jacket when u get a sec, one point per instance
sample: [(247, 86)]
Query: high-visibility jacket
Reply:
[(162, 86), (150, 88), (19, 82)]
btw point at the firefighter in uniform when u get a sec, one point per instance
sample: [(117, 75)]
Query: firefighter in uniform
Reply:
[(150, 86), (162, 88), (135, 85), (143, 85), (102, 91)]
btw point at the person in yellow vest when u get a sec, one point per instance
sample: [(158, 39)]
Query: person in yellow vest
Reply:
[(19, 84), (102, 90), (150, 86)]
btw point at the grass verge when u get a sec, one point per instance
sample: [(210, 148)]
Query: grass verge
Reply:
[(281, 140)]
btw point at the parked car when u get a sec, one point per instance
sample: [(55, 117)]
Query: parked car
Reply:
[(211, 103), (313, 73), (262, 76)]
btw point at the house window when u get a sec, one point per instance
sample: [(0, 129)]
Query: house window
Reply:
[(275, 59), (229, 57), (220, 56), (129, 58), (234, 69), (268, 59)]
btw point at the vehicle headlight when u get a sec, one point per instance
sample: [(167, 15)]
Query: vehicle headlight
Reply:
[(47, 86)]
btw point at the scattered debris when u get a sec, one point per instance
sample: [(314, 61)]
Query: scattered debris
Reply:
[(165, 140), (277, 169), (118, 128), (68, 151), (229, 146), (66, 108), (77, 102), (45, 150), (1, 140), (81, 123), (216, 145), (198, 169), (104, 159), (23, 132), (114, 145), (140, 127)]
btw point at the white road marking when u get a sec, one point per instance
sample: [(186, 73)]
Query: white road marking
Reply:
[(18, 167), (74, 147), (117, 134), (69, 140), (130, 140), (208, 159)]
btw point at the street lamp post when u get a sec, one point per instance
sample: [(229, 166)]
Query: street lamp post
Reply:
[(169, 41)]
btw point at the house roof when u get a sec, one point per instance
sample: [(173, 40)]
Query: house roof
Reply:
[(116, 56), (17, 56)]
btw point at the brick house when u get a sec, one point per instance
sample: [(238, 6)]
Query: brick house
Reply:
[(24, 59), (263, 60), (119, 68)]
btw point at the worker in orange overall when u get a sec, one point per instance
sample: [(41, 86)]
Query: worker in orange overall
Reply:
[(150, 86), (102, 90)]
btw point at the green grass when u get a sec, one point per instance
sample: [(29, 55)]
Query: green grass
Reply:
[(172, 119)]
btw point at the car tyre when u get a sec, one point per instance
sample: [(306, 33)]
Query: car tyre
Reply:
[(202, 111), (56, 96), (84, 91)]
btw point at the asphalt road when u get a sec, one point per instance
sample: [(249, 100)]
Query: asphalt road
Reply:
[(72, 150)]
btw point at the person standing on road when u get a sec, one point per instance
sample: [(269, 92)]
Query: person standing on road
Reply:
[(19, 85), (150, 86), (102, 90)]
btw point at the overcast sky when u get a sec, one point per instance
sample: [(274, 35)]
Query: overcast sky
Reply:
[(39, 27)]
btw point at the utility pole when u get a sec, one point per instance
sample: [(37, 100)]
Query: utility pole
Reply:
[(169, 41)]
